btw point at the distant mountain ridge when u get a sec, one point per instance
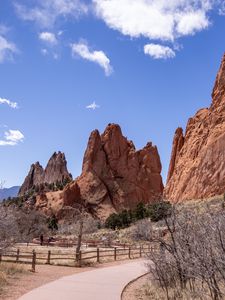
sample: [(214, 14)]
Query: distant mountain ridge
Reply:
[(9, 192)]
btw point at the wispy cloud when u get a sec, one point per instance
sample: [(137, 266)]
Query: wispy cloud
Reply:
[(98, 57), (158, 51), (4, 29), (12, 138), (46, 12), (93, 106), (7, 49), (48, 37), (9, 103), (44, 51)]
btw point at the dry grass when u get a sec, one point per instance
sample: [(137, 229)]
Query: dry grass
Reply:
[(149, 291), (145, 289), (202, 204), (9, 271)]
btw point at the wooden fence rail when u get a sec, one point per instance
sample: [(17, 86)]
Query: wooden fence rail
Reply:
[(76, 259), (19, 258)]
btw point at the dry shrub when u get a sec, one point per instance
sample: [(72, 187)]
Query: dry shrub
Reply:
[(191, 259), (90, 226), (11, 269), (17, 225), (142, 231), (3, 278)]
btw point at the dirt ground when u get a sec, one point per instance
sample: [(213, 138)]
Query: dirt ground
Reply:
[(24, 283), (137, 289)]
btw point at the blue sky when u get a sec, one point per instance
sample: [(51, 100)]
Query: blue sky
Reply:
[(148, 65)]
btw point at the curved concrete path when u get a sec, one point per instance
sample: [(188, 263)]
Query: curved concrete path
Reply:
[(101, 284)]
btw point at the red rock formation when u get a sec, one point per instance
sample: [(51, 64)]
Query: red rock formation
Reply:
[(178, 143), (34, 178), (56, 170), (114, 175), (197, 167)]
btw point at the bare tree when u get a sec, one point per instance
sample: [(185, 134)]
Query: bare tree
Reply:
[(8, 227), (17, 225), (78, 222), (192, 256), (142, 230)]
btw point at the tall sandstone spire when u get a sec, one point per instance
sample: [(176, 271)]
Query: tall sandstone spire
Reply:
[(56, 170), (197, 166), (114, 175)]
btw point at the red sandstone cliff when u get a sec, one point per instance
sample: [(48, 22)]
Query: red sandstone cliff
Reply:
[(197, 166), (114, 175), (55, 171)]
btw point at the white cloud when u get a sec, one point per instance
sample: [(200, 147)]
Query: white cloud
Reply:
[(60, 32), (190, 23), (46, 12), (93, 106), (9, 103), (44, 51), (48, 37), (155, 19), (222, 9), (98, 57), (12, 138), (7, 49), (4, 29), (158, 51)]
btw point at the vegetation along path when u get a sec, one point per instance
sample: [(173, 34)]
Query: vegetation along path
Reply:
[(106, 283)]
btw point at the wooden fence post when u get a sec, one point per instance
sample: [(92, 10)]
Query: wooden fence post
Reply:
[(98, 255), (80, 259), (17, 255), (129, 253), (49, 258), (33, 261), (115, 253)]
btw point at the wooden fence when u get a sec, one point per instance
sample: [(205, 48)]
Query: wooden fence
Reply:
[(17, 257), (52, 257), (65, 243)]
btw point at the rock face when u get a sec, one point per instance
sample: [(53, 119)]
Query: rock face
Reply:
[(114, 175), (197, 167), (56, 170)]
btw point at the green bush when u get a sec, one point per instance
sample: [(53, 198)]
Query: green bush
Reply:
[(53, 223), (113, 221), (159, 211), (155, 212)]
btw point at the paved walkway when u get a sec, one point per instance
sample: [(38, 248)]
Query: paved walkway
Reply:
[(101, 284)]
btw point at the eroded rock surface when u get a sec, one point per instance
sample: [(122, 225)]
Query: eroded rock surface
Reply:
[(56, 171), (197, 167), (114, 175)]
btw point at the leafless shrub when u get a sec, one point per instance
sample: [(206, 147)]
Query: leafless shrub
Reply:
[(17, 225), (192, 256), (8, 227), (142, 230), (90, 226)]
